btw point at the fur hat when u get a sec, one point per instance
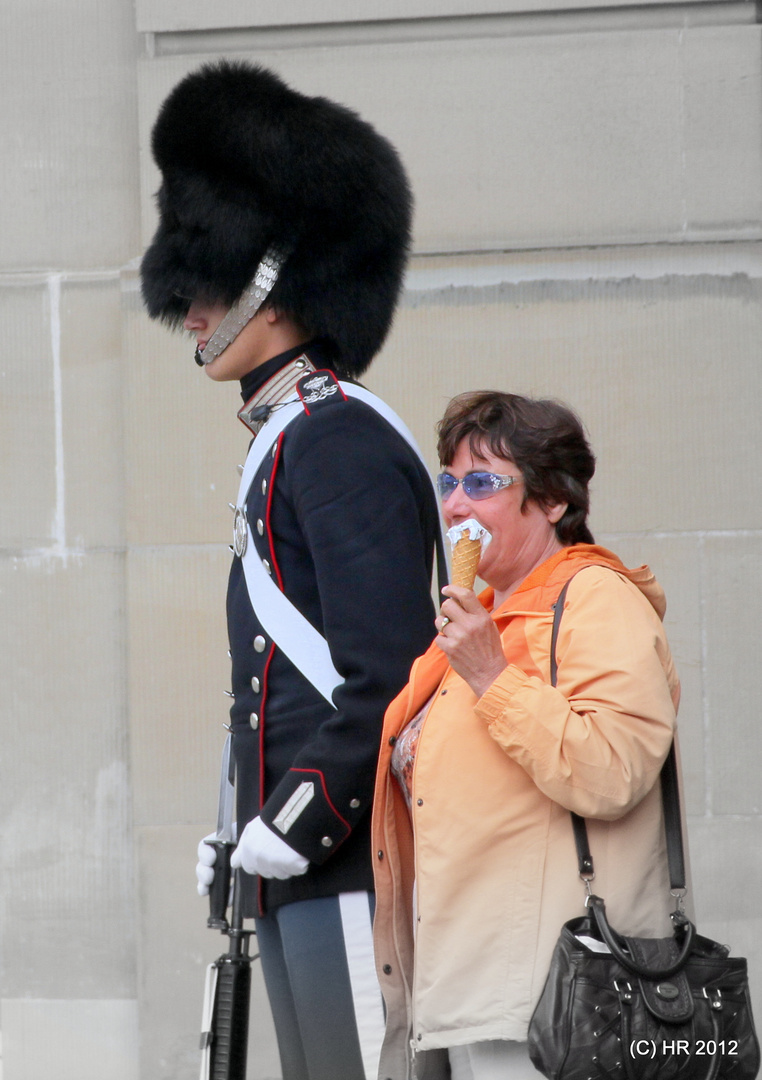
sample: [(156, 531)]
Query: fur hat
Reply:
[(246, 163)]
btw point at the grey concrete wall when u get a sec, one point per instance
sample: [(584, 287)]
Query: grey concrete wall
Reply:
[(588, 226), (68, 222)]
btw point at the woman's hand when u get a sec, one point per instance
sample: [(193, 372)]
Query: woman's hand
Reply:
[(469, 639)]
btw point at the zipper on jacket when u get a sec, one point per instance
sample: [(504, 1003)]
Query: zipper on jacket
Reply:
[(414, 913), (416, 893), (413, 1075), (413, 1052), (411, 1049)]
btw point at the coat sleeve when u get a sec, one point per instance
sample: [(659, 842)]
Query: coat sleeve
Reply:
[(595, 742), (366, 509)]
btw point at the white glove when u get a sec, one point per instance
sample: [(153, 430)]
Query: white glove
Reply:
[(207, 857), (261, 852)]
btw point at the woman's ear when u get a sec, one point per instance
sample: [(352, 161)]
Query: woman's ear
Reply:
[(556, 512)]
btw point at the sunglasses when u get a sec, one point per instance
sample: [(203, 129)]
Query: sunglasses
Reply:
[(477, 485)]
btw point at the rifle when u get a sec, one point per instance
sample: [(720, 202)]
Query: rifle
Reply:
[(225, 1019)]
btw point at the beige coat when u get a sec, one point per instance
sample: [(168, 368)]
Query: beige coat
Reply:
[(494, 780)]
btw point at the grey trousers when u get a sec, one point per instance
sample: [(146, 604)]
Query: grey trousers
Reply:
[(320, 975), (496, 1060)]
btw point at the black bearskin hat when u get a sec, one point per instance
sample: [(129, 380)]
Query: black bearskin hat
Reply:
[(246, 163)]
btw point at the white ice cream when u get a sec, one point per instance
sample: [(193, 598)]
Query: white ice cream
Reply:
[(473, 529)]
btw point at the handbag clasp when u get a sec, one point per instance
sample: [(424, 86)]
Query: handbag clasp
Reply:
[(679, 895), (714, 997)]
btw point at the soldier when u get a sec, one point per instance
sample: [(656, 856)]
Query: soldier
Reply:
[(283, 236)]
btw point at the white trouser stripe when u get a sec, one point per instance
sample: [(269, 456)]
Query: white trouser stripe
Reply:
[(369, 1010)]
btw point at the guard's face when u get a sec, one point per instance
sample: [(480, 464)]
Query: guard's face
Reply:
[(242, 355)]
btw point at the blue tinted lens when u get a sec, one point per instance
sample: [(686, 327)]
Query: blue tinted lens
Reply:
[(480, 485), (446, 484)]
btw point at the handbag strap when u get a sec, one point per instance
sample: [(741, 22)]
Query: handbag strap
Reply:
[(669, 788), (675, 853)]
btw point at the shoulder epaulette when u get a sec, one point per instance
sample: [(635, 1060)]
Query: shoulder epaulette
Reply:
[(318, 389)]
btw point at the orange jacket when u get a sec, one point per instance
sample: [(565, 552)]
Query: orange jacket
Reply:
[(493, 858)]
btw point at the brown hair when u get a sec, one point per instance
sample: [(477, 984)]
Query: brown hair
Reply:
[(545, 439)]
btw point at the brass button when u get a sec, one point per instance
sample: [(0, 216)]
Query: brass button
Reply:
[(267, 566), (354, 803), (259, 643), (254, 721), (255, 685), (326, 841), (260, 526), (264, 486)]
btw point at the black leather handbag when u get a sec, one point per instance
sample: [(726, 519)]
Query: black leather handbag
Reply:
[(624, 1008)]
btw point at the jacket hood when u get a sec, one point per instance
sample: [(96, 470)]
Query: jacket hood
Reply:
[(641, 576), (556, 569)]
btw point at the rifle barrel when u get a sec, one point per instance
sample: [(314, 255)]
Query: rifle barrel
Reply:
[(230, 1021)]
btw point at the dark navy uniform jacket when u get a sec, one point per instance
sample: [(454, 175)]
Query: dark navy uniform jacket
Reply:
[(343, 512)]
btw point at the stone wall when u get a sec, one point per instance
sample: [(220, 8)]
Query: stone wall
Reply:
[(589, 196)]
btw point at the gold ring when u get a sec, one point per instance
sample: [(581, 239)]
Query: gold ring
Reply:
[(445, 621)]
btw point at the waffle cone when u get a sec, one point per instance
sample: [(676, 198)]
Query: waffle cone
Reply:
[(465, 559)]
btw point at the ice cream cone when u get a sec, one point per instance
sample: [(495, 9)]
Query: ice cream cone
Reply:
[(465, 558)]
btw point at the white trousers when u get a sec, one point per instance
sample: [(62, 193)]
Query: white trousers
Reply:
[(493, 1060)]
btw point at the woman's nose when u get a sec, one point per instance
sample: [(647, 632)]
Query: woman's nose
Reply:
[(456, 507)]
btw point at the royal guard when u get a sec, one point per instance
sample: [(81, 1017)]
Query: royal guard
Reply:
[(283, 236)]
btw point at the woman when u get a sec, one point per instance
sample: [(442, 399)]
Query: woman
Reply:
[(475, 861)]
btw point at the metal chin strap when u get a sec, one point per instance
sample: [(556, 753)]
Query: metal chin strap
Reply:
[(246, 308)]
